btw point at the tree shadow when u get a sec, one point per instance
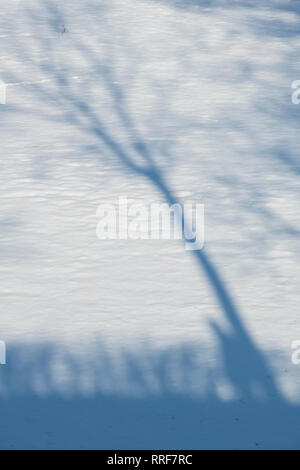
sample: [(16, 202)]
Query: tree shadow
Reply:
[(259, 416), (52, 398)]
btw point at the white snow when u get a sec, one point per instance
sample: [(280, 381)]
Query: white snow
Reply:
[(118, 339)]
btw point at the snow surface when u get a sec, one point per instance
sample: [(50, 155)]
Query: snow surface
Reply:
[(141, 344)]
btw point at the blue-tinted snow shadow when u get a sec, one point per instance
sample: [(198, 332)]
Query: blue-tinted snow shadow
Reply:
[(271, 5), (140, 415), (258, 418)]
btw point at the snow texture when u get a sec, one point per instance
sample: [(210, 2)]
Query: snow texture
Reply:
[(122, 344)]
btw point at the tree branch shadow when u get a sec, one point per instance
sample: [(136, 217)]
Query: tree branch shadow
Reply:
[(254, 383)]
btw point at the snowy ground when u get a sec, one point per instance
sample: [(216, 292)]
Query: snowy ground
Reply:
[(133, 344)]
